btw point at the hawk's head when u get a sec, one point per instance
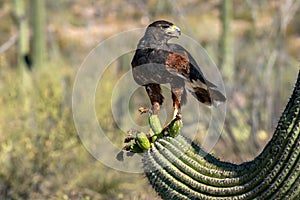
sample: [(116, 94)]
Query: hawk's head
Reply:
[(163, 30)]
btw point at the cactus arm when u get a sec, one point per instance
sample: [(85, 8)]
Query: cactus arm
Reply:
[(179, 169)]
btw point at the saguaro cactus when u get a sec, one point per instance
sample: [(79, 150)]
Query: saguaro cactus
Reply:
[(178, 169)]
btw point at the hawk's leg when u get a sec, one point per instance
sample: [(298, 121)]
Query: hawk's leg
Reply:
[(156, 98), (177, 96)]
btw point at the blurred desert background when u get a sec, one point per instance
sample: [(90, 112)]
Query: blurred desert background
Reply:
[(254, 43)]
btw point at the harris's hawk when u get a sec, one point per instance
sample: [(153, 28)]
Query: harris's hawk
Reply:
[(158, 62)]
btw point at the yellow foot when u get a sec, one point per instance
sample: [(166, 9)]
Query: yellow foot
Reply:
[(175, 113), (170, 125)]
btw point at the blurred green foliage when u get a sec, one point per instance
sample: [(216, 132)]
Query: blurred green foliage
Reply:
[(41, 155)]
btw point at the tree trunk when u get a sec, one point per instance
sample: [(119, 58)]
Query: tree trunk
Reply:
[(38, 28), (226, 62), (23, 32), (23, 50)]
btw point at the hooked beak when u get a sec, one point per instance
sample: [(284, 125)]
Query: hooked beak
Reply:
[(174, 31)]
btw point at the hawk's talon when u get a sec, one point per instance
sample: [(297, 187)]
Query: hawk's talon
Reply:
[(178, 116), (143, 110), (141, 142), (173, 127)]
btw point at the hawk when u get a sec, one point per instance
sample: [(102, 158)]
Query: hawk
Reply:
[(158, 62)]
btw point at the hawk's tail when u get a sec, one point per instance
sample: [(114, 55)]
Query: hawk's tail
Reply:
[(207, 95)]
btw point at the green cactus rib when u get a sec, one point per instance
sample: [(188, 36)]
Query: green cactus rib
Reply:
[(177, 168), (293, 192)]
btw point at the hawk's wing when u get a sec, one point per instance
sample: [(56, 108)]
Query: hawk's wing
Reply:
[(181, 63)]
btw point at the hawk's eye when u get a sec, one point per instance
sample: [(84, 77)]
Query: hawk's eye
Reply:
[(165, 26)]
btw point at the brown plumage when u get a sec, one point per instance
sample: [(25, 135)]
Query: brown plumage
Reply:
[(158, 62)]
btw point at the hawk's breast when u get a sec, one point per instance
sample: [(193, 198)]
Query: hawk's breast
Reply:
[(155, 66)]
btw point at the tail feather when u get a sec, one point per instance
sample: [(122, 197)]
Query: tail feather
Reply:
[(207, 95), (217, 96), (201, 95)]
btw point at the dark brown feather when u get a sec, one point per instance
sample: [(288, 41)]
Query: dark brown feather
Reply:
[(158, 62)]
